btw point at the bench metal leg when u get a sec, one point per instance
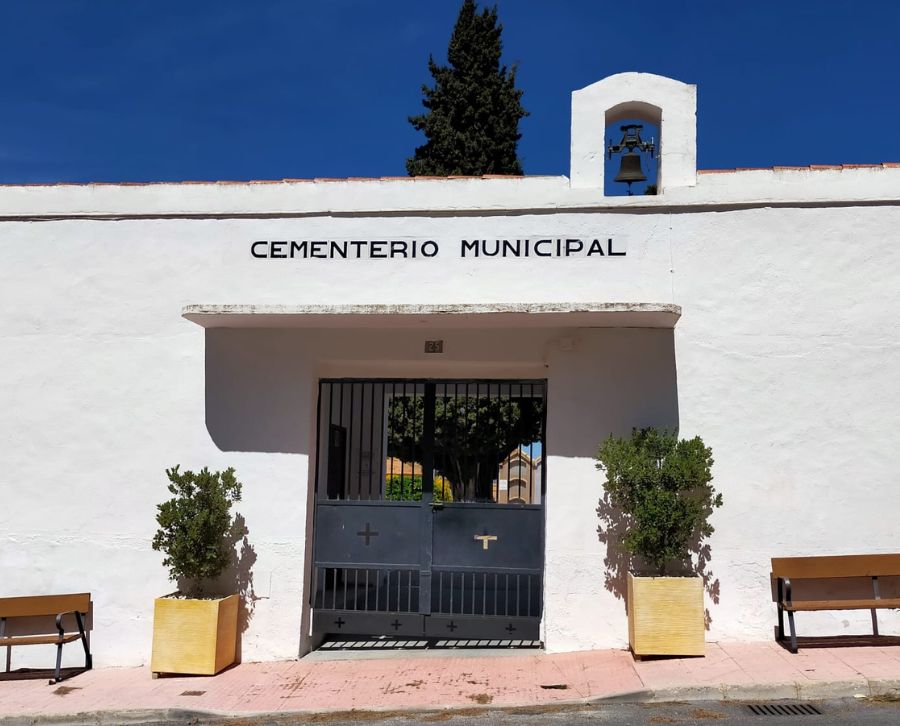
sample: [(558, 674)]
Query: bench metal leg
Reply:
[(8, 647), (780, 623), (88, 660), (790, 614), (56, 677), (874, 622)]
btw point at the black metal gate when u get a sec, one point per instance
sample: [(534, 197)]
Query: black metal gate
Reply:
[(429, 516)]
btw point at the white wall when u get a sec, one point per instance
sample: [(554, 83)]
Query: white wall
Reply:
[(784, 361)]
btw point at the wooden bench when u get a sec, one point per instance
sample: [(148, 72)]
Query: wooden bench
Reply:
[(68, 608), (862, 571)]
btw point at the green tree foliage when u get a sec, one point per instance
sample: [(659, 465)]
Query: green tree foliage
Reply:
[(663, 488), (474, 108), (472, 436), (409, 489), (194, 525)]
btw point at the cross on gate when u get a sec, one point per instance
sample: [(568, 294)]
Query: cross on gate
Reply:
[(486, 538), (509, 628), (340, 621), (451, 626), (368, 534), (396, 624)]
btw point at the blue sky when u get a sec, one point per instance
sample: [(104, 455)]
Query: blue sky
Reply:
[(134, 90)]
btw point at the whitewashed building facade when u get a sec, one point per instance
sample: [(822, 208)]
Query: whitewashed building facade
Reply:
[(148, 325)]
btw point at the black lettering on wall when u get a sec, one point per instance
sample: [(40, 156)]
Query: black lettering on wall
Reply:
[(411, 248), (487, 250), (512, 250), (609, 249), (573, 246), (595, 249)]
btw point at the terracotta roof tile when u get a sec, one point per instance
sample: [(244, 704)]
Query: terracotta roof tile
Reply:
[(811, 167), (316, 180)]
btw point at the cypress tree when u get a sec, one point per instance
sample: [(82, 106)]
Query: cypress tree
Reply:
[(472, 121)]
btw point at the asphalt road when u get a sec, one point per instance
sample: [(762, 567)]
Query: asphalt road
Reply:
[(847, 712)]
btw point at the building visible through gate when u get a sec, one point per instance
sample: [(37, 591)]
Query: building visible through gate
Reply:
[(429, 517)]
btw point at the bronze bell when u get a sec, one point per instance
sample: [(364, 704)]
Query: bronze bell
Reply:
[(630, 170)]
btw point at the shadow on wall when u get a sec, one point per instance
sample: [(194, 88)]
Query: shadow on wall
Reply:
[(613, 381), (257, 397), (619, 562), (257, 400), (237, 577)]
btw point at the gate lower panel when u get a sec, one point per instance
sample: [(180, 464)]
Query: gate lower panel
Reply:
[(414, 625)]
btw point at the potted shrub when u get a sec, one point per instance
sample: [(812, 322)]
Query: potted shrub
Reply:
[(662, 488), (194, 631)]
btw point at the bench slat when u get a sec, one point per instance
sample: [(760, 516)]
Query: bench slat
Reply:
[(37, 640), (837, 566), (844, 604), (15, 607)]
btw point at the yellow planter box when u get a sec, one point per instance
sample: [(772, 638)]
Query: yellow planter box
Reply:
[(665, 615), (198, 637)]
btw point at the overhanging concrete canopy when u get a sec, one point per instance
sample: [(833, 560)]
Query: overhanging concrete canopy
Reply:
[(495, 315)]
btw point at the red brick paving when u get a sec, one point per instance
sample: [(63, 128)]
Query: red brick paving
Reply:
[(445, 680)]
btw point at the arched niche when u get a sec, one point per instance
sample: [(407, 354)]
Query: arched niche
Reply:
[(646, 112), (650, 116)]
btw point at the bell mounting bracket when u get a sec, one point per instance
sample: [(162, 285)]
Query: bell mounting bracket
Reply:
[(631, 140)]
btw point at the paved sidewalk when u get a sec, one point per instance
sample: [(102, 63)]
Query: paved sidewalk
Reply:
[(737, 671)]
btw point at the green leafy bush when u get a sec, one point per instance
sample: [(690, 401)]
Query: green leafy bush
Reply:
[(409, 489), (194, 526), (663, 488)]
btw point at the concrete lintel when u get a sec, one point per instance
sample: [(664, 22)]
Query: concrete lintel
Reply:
[(487, 315)]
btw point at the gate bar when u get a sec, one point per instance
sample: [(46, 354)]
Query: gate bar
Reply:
[(427, 496)]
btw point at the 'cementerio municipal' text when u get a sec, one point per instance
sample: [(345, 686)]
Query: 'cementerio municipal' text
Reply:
[(392, 249)]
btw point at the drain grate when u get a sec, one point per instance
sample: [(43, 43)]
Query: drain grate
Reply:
[(784, 709)]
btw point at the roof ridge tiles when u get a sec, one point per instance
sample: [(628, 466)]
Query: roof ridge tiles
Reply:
[(426, 178)]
